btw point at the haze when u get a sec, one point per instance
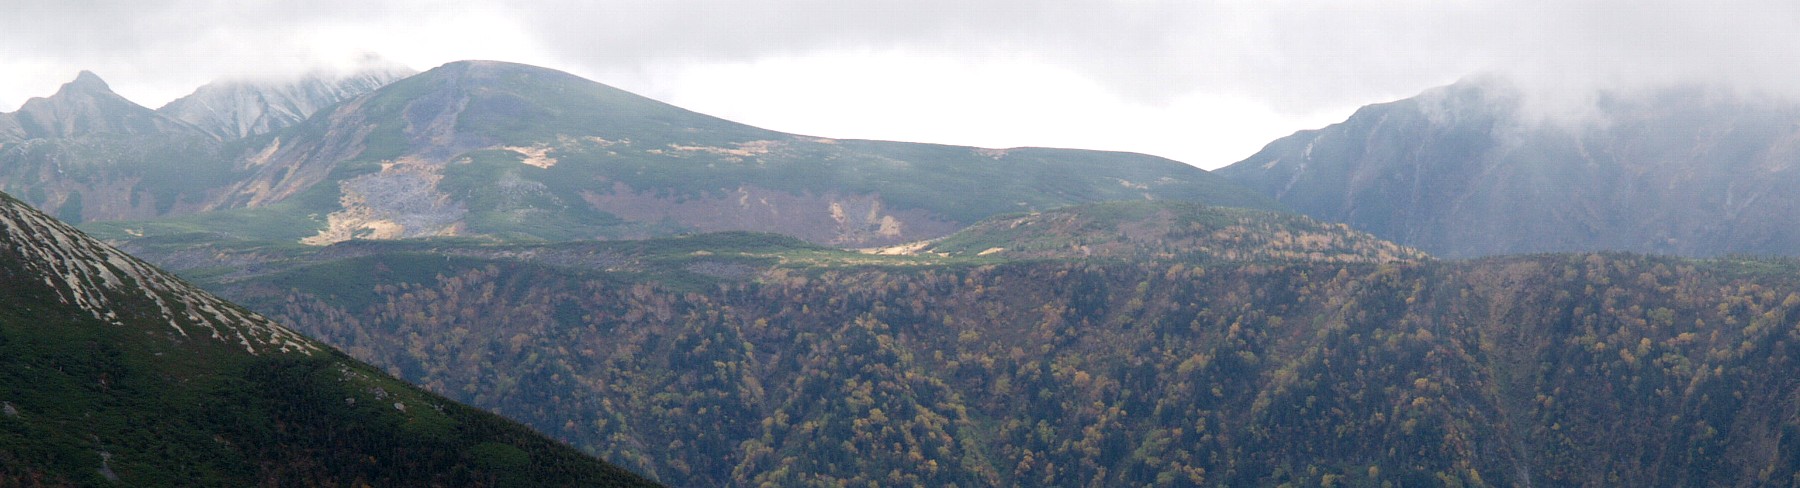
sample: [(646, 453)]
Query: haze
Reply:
[(1204, 82)]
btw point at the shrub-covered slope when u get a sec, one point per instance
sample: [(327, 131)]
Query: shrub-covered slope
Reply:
[(1165, 230)]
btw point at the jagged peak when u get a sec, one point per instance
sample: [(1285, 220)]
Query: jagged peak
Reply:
[(87, 83)]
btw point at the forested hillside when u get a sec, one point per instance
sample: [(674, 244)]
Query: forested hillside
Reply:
[(1593, 369)]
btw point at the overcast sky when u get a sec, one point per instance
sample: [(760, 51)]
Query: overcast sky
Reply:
[(1204, 82)]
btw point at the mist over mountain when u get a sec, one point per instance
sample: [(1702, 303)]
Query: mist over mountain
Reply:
[(1482, 168), (232, 109)]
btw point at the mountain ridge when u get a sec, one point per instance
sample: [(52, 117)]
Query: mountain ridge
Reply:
[(1475, 169)]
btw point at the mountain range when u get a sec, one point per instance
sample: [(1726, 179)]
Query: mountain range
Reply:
[(513, 152), (517, 153), (86, 153)]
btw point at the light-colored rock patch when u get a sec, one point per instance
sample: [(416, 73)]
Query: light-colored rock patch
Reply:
[(267, 154), (401, 201), (736, 154), (907, 249), (538, 156), (890, 227)]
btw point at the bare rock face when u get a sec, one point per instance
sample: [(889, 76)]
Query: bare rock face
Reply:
[(401, 201), (1474, 169)]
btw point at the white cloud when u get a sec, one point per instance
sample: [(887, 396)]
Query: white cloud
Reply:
[(991, 102)]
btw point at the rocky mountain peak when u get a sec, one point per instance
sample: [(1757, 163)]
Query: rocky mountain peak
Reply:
[(85, 82), (85, 106)]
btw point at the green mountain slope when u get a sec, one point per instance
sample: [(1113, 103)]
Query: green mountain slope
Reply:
[(1165, 230), (520, 153), (735, 360), (114, 373), (1474, 169)]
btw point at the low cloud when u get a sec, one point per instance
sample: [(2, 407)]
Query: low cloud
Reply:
[(1292, 52)]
